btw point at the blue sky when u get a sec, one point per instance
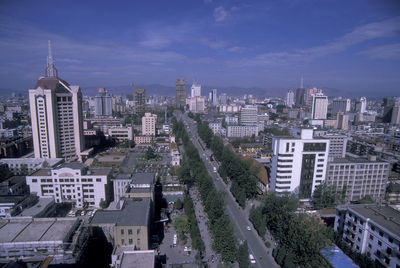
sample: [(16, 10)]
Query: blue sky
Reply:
[(352, 46)]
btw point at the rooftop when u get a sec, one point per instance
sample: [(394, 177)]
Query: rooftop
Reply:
[(143, 178), (35, 229), (138, 258), (133, 213), (43, 204), (385, 216), (122, 176), (350, 160)]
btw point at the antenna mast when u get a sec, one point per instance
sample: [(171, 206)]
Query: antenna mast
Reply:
[(301, 84), (51, 70)]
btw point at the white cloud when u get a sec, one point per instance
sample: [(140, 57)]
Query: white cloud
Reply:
[(235, 49), (214, 44), (220, 14), (385, 52), (360, 34)]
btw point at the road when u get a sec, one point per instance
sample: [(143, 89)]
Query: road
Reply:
[(238, 216)]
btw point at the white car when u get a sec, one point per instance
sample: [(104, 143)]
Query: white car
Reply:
[(248, 228), (251, 258)]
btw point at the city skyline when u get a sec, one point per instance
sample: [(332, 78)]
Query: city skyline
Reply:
[(220, 44)]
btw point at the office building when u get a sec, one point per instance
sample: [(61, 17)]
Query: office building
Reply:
[(223, 99), (57, 240), (195, 90), (216, 127), (388, 104), (121, 133), (299, 163), (372, 230), (56, 115), (25, 166), (213, 97), (290, 99), (180, 85), (103, 102), (139, 99), (361, 105), (241, 131), (128, 226), (248, 115), (309, 93), (149, 121), (395, 120), (337, 145), (300, 96), (197, 104), (72, 182), (319, 106), (342, 121), (341, 105), (358, 177)]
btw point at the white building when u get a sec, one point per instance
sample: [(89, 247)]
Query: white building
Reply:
[(241, 131), (103, 102), (372, 230), (25, 166), (319, 106), (248, 115), (337, 145), (121, 133), (359, 177), (175, 154), (215, 127), (396, 114), (195, 90), (149, 121), (197, 105), (290, 99), (72, 182), (298, 164), (56, 115), (231, 120), (120, 185), (361, 105), (228, 108)]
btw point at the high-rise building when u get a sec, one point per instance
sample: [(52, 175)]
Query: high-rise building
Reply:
[(213, 97), (388, 104), (341, 105), (248, 115), (149, 122), (289, 98), (103, 103), (309, 93), (139, 98), (361, 105), (197, 104), (56, 115), (342, 121), (300, 96), (298, 163), (223, 99), (195, 90), (395, 120), (319, 106), (180, 85)]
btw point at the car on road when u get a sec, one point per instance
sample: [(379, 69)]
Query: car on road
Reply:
[(251, 258), (248, 228), (82, 213), (215, 169)]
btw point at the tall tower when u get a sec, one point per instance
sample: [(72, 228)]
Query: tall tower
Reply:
[(195, 90), (103, 102), (180, 85), (319, 106), (289, 98), (56, 115), (139, 97)]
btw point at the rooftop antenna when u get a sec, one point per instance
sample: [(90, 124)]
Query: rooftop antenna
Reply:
[(51, 70), (301, 83)]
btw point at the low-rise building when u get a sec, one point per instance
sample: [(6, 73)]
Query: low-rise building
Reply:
[(358, 177), (120, 184), (121, 133), (128, 257), (129, 226), (241, 131), (15, 185), (371, 229), (25, 166), (72, 182), (140, 140), (141, 186), (61, 239), (215, 127)]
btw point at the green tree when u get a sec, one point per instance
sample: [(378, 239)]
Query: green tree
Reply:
[(243, 255), (178, 204), (150, 153)]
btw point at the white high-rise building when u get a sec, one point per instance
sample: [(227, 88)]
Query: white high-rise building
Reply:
[(195, 90), (319, 106), (248, 115), (213, 97), (56, 115), (299, 164), (396, 114), (361, 105), (290, 98), (149, 121), (197, 105)]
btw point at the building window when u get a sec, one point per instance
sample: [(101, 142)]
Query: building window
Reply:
[(130, 241), (129, 231), (122, 231), (34, 180), (122, 241), (98, 180)]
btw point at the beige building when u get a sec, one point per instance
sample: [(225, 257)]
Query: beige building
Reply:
[(121, 133), (149, 121), (129, 226)]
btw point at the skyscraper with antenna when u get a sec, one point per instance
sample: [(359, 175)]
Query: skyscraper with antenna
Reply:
[(56, 115)]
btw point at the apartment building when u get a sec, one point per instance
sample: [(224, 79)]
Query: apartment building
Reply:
[(149, 121), (72, 182), (241, 131), (121, 133), (373, 230), (298, 163)]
